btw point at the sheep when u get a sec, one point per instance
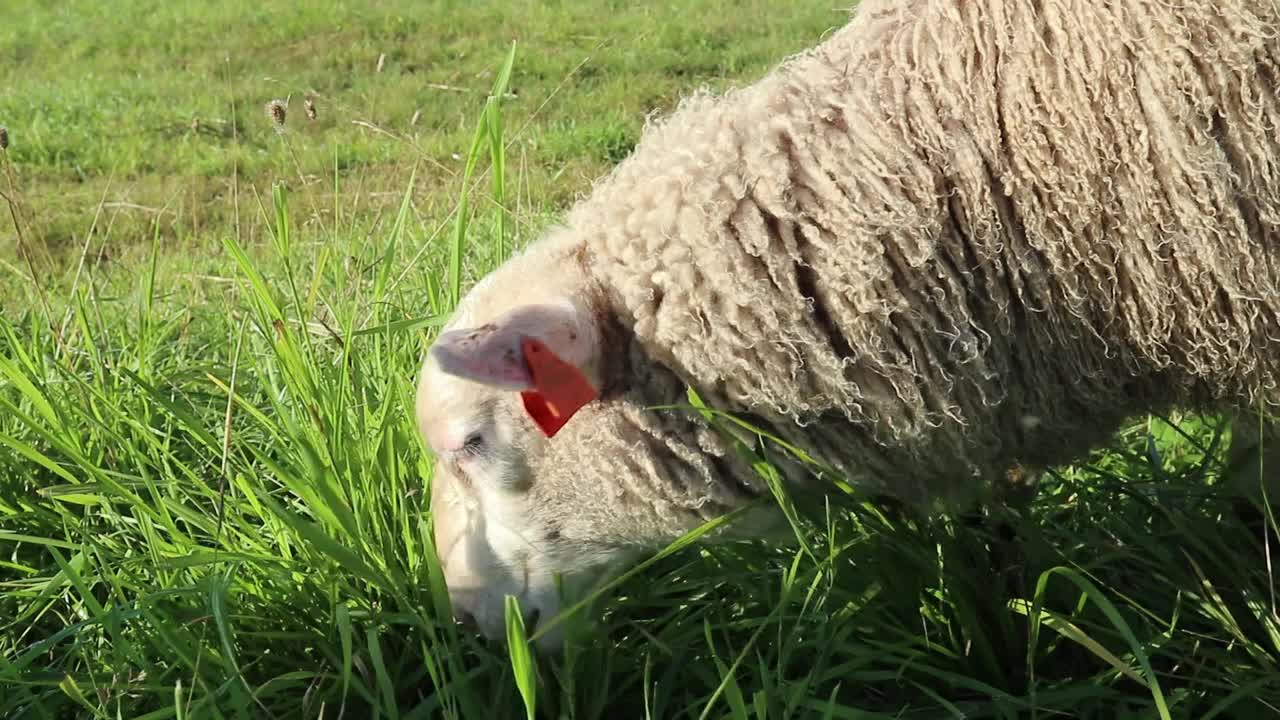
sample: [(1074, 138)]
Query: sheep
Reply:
[(954, 237)]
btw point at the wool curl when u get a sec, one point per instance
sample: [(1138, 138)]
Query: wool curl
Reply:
[(950, 217)]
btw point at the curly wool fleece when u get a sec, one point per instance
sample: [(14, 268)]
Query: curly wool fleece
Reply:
[(951, 217), (954, 237)]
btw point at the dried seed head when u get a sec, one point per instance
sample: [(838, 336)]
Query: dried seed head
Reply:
[(275, 111), (311, 109), (4, 138)]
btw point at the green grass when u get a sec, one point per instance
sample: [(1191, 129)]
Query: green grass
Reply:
[(212, 495)]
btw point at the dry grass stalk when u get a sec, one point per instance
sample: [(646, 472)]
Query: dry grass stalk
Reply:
[(276, 111), (278, 114)]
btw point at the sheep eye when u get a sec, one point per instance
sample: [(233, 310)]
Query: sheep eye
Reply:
[(474, 444)]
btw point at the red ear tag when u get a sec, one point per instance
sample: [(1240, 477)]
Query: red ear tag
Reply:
[(559, 389)]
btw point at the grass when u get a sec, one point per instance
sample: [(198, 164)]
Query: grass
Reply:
[(212, 496)]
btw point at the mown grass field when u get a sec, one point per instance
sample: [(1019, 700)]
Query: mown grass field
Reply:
[(212, 494)]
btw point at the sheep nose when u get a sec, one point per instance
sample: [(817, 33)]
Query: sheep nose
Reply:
[(465, 618), (462, 611)]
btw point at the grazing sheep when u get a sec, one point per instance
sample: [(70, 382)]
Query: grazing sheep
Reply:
[(954, 237)]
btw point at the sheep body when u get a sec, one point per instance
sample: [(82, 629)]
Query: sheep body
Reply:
[(1001, 210), (953, 237)]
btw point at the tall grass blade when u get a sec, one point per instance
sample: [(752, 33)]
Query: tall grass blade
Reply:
[(521, 658)]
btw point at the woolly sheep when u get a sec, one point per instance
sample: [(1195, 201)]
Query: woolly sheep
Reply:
[(956, 236)]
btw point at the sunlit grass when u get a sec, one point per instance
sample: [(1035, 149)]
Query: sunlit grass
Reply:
[(213, 504)]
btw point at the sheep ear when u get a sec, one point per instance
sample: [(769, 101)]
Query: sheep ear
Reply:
[(537, 350)]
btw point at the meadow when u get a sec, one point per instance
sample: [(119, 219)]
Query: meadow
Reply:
[(213, 498)]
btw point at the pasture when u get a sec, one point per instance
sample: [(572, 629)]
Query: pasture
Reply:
[(213, 498)]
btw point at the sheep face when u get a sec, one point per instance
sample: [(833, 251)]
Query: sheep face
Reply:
[(511, 515), (499, 528)]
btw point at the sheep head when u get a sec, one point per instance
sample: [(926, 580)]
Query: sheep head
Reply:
[(508, 403), (496, 528), (496, 532), (547, 471)]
